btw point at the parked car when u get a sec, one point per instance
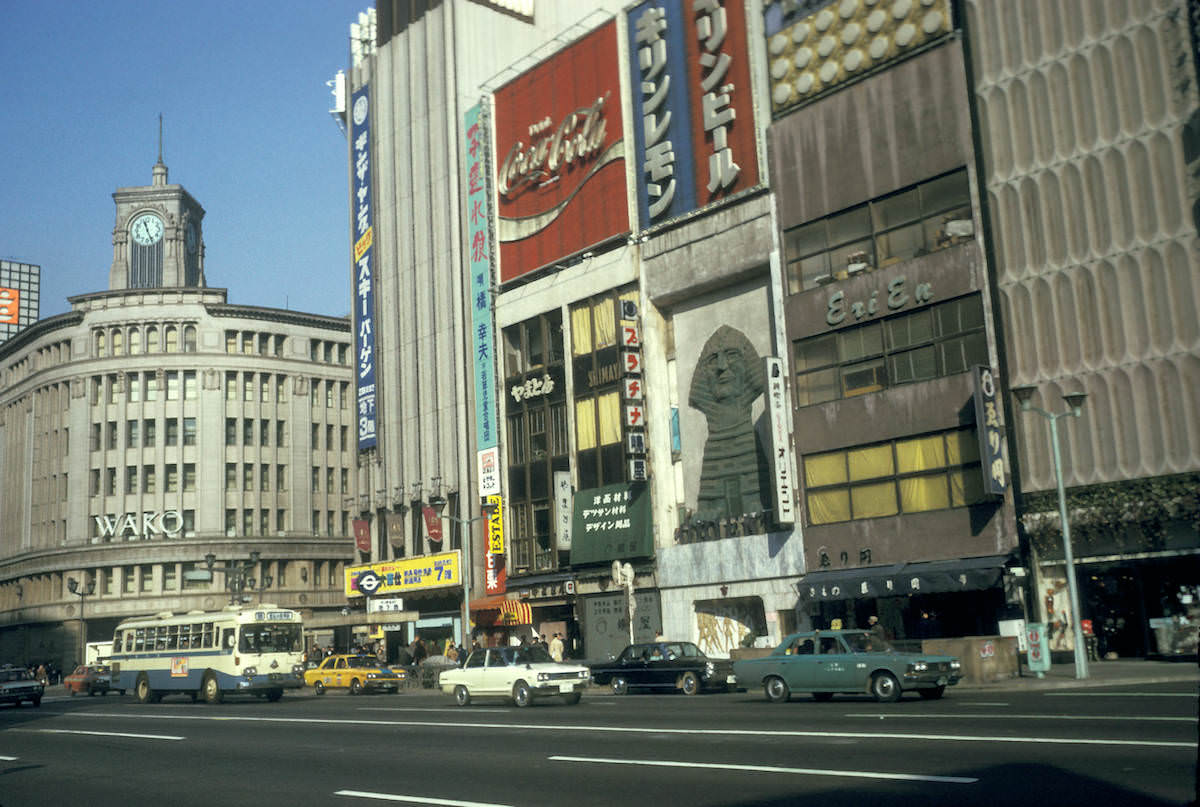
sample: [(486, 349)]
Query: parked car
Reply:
[(89, 678), (18, 684), (358, 674), (828, 662), (664, 665), (520, 674)]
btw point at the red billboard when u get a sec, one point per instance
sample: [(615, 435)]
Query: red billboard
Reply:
[(10, 306), (560, 156)]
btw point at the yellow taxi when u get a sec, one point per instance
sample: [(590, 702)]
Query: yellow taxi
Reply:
[(358, 674)]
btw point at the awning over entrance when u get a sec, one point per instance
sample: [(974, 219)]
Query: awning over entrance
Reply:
[(900, 579), (507, 612)]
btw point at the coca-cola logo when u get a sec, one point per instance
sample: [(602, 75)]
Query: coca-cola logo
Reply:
[(580, 135)]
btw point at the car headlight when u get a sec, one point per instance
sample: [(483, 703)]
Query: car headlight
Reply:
[(955, 664), (249, 672), (543, 676), (919, 666), (297, 669), (584, 673), (372, 675)]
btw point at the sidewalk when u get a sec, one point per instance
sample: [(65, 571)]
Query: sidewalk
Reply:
[(1123, 672)]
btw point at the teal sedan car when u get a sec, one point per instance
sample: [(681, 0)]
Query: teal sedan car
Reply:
[(829, 662)]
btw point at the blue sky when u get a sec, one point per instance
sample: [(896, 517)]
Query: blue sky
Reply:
[(246, 130)]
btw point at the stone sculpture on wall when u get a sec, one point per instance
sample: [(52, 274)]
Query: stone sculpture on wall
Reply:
[(728, 379)]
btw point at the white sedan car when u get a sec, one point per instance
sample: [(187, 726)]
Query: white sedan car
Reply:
[(518, 673)]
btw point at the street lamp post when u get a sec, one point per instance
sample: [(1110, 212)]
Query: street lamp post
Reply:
[(237, 576), (82, 592), (438, 503), (1024, 396)]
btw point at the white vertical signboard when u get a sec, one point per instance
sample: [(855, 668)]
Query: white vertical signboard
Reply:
[(781, 447)]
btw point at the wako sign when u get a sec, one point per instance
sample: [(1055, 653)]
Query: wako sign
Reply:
[(692, 105), (168, 522), (560, 177)]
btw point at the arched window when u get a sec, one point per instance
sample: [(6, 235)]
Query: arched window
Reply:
[(135, 341), (171, 339), (189, 338), (101, 344), (118, 342), (151, 339)]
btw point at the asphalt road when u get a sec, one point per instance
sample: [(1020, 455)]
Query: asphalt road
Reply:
[(1094, 746)]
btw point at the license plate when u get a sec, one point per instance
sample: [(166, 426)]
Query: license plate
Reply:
[(566, 687), (941, 681), (731, 679)]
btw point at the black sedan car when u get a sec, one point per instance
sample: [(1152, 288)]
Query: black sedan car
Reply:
[(664, 665)]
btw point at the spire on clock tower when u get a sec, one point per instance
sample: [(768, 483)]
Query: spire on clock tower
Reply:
[(160, 168)]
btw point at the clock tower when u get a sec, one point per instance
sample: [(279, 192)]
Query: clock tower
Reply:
[(158, 238)]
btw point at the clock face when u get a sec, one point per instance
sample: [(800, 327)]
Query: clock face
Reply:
[(146, 229), (193, 239)]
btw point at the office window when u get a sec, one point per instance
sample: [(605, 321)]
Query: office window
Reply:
[(110, 434), (931, 342), (929, 472), (231, 478), (248, 476), (189, 385), (279, 521), (247, 522), (329, 444), (316, 522), (231, 339), (151, 386), (231, 431), (280, 477), (135, 341), (316, 437), (131, 434), (280, 388), (264, 432), (345, 487), (316, 392), (264, 522), (329, 480), (170, 577), (316, 479), (189, 476), (151, 339), (230, 522), (96, 440), (148, 480), (111, 385), (172, 435), (149, 432), (171, 339), (94, 482), (172, 385), (131, 479), (914, 221), (248, 432), (248, 386), (280, 434), (264, 477), (329, 391), (343, 434), (118, 342), (231, 386), (134, 385), (171, 478), (110, 481), (189, 431), (189, 338)]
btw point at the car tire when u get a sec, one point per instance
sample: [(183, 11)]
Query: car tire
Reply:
[(462, 696), (932, 694), (776, 689), (142, 691), (620, 686), (571, 698), (885, 687), (319, 687), (274, 695), (822, 697), (521, 694), (689, 684), (356, 687), (210, 688)]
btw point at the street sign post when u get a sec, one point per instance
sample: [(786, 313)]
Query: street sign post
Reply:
[(1038, 655)]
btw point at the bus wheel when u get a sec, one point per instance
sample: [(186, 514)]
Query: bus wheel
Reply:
[(142, 691), (274, 695), (211, 689)]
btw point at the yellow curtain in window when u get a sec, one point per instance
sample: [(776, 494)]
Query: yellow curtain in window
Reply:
[(871, 462), (828, 506), (962, 447), (604, 313), (872, 501), (585, 424), (825, 469), (921, 454), (608, 407), (581, 331), (966, 487), (919, 493)]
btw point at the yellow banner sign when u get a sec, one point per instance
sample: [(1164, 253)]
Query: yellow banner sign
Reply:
[(404, 574), (496, 525)]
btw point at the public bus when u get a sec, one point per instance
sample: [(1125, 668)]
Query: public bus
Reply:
[(240, 650)]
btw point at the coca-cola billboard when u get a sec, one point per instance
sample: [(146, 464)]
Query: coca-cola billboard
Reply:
[(560, 161)]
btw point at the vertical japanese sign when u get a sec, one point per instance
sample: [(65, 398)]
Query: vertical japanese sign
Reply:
[(781, 444), (692, 105), (563, 499), (495, 578), (987, 426), (362, 534), (364, 278), (10, 306), (479, 263)]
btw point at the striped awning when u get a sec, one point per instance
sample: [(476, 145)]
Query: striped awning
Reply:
[(515, 612)]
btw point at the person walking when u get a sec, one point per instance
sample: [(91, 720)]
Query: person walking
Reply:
[(556, 647)]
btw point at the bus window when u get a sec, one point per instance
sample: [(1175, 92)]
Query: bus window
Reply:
[(160, 637), (172, 637), (270, 638), (139, 640), (206, 634)]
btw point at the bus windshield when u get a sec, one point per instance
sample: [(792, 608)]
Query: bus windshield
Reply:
[(270, 638)]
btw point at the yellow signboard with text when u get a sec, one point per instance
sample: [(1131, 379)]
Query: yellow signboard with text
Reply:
[(402, 575)]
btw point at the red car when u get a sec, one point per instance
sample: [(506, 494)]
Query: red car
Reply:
[(91, 678)]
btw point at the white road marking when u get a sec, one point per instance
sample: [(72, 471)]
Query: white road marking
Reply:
[(364, 794), (851, 735), (458, 709), (984, 703), (106, 734), (721, 766), (995, 716), (9, 759), (1120, 694)]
